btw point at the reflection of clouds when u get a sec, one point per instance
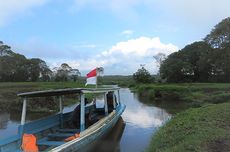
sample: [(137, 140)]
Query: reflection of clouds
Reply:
[(146, 118), (141, 115), (141, 119), (4, 118)]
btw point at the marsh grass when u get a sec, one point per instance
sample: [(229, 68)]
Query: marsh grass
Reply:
[(10, 101), (197, 129), (193, 94)]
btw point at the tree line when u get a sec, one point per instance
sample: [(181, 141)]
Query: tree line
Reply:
[(15, 67), (203, 61)]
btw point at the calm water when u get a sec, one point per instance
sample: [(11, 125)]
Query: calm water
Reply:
[(132, 133)]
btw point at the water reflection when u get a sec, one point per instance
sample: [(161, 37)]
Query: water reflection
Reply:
[(7, 126), (130, 134), (142, 121), (140, 114), (111, 142), (171, 106), (4, 118)]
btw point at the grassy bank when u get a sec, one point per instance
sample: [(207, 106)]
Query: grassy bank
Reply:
[(203, 122), (190, 94), (9, 100), (197, 129)]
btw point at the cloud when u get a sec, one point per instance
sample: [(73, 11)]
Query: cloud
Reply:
[(141, 47), (9, 9), (122, 58), (130, 54), (125, 57), (127, 32)]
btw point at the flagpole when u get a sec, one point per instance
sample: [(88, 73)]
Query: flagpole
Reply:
[(96, 77)]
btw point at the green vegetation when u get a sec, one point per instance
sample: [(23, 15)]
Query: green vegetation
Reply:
[(65, 73), (203, 61), (201, 121), (10, 101), (184, 94), (9, 90), (16, 67), (197, 129), (205, 125), (143, 76)]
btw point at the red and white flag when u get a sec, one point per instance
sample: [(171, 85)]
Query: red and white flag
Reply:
[(92, 77)]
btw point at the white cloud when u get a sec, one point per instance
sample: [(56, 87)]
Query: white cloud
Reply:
[(130, 54), (141, 47), (9, 9), (122, 58), (126, 57), (127, 32)]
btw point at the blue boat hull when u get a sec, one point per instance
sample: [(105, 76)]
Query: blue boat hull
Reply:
[(81, 144)]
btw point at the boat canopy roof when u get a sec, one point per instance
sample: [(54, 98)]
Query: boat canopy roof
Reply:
[(60, 92)]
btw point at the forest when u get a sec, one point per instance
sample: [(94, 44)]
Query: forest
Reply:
[(203, 61)]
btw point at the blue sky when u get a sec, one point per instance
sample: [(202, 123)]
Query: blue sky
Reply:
[(116, 34)]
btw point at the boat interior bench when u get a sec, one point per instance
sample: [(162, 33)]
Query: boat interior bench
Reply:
[(47, 142), (67, 130), (52, 127), (48, 126)]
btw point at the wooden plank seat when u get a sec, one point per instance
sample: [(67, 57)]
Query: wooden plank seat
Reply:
[(45, 141), (60, 135), (68, 130)]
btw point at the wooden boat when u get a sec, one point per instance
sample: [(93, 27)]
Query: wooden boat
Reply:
[(52, 131)]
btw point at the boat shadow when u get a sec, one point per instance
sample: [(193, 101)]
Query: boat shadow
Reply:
[(111, 141)]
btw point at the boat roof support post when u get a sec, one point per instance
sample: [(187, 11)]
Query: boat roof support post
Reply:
[(82, 127), (61, 110), (106, 104), (119, 98), (114, 101), (23, 118)]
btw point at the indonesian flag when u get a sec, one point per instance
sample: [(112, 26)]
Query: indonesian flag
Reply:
[(92, 77)]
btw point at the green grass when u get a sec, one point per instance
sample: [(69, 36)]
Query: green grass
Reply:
[(9, 90), (202, 121), (192, 94), (197, 129)]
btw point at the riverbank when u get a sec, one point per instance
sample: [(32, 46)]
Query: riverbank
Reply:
[(197, 129), (10, 102), (203, 122), (187, 94)]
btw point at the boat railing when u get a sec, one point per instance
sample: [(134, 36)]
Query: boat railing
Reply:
[(60, 93)]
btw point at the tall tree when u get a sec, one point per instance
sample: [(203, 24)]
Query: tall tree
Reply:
[(173, 68), (16, 67), (192, 63), (65, 72), (38, 70), (74, 74), (159, 58), (142, 76), (220, 35)]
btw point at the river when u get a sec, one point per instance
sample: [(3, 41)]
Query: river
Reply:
[(132, 133)]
